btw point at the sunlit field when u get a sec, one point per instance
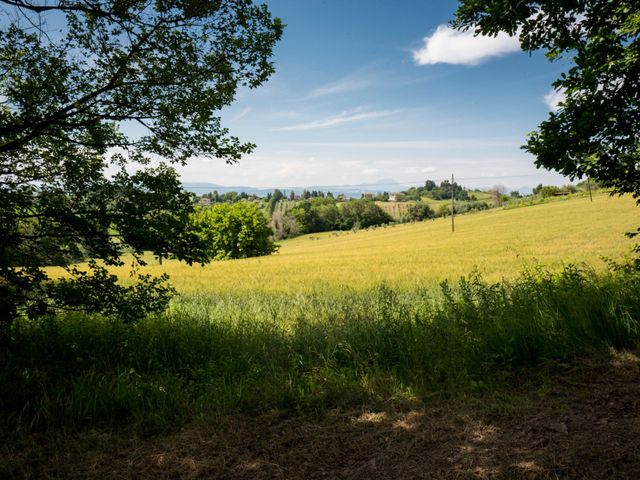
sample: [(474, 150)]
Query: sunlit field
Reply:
[(497, 243), (343, 319)]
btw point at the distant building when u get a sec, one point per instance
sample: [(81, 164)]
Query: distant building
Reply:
[(204, 202), (393, 197), (341, 198), (368, 196)]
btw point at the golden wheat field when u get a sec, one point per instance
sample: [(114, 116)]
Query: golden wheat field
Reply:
[(498, 243)]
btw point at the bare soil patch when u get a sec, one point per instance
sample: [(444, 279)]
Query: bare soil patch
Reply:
[(584, 424)]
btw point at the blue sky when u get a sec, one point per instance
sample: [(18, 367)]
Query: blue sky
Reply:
[(376, 90)]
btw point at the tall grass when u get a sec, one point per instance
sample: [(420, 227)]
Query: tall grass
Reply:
[(229, 352)]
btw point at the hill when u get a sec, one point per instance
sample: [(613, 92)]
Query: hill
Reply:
[(498, 243)]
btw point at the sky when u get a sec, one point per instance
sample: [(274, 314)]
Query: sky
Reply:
[(366, 92)]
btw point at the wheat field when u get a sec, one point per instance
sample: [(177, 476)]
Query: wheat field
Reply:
[(497, 243)]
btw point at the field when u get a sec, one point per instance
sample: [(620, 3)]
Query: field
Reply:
[(349, 339), (395, 209), (496, 243)]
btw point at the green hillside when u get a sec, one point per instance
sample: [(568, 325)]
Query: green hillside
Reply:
[(498, 243)]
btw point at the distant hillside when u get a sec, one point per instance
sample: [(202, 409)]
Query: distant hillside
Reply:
[(498, 243), (350, 191)]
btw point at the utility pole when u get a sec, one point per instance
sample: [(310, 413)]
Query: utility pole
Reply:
[(589, 187), (453, 226)]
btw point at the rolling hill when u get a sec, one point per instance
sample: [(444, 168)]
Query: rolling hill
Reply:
[(497, 243)]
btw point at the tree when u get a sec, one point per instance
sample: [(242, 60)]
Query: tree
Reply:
[(418, 212), (594, 132), (273, 200), (237, 230), (362, 213), (316, 215), (284, 225), (68, 98)]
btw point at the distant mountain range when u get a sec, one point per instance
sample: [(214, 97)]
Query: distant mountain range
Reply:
[(351, 191)]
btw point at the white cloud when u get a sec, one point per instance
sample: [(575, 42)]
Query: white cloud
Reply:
[(447, 45), (554, 98), (342, 118), (271, 169)]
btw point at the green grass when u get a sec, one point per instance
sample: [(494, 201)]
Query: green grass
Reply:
[(337, 319), (218, 353)]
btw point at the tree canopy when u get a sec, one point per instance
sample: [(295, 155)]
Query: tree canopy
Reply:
[(237, 230), (595, 131), (89, 88)]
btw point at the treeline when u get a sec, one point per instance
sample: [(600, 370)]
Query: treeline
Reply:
[(545, 191), (290, 214), (437, 192), (228, 197), (326, 214)]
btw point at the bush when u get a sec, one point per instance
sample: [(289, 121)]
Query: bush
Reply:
[(362, 214), (418, 212)]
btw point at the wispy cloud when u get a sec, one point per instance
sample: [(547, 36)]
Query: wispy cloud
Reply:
[(345, 117), (452, 143), (242, 114), (447, 45), (343, 85), (554, 98)]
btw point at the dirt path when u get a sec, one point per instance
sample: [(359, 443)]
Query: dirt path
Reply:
[(587, 425)]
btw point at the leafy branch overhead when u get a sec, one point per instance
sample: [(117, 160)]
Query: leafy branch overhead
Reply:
[(88, 87), (167, 66), (595, 132)]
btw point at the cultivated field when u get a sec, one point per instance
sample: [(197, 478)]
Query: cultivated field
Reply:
[(311, 333), (497, 243), (395, 209)]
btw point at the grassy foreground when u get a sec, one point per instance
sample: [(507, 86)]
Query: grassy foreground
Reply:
[(496, 243), (348, 319), (213, 354)]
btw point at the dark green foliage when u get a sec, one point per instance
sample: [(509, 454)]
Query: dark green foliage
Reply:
[(362, 214), (317, 215), (595, 131), (467, 207), (441, 192), (220, 353), (552, 190), (99, 291), (238, 230), (418, 212), (273, 201), (325, 214), (462, 207), (168, 68)]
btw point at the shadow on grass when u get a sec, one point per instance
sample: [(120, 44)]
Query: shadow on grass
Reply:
[(584, 424)]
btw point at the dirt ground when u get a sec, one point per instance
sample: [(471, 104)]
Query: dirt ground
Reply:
[(585, 424)]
